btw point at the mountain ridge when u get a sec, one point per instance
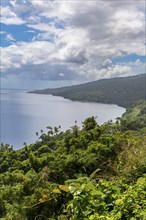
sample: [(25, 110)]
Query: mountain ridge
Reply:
[(123, 91)]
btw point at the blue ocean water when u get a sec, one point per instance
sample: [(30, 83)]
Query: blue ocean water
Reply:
[(23, 114)]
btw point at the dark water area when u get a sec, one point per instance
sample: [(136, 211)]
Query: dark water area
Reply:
[(23, 114)]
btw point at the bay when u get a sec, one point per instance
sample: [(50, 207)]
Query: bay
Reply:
[(23, 114)]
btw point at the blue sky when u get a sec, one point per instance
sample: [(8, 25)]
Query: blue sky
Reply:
[(49, 43)]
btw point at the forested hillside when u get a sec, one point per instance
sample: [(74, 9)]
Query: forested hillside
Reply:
[(123, 91), (96, 172)]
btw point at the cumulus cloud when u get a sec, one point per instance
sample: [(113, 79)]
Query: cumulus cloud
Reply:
[(115, 70), (75, 40), (26, 54), (9, 37), (3, 32), (9, 17), (106, 63)]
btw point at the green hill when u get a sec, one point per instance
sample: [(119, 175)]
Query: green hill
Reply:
[(123, 91)]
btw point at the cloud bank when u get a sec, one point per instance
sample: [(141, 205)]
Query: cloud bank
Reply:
[(72, 41)]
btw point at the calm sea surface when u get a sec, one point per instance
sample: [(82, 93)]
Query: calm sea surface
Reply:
[(23, 114)]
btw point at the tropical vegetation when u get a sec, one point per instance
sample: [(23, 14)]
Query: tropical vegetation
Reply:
[(97, 172)]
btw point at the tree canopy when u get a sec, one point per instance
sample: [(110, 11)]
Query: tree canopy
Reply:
[(96, 172)]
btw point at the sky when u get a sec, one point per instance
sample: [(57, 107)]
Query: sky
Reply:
[(53, 43)]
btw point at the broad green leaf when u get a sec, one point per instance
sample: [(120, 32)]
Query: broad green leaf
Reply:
[(56, 191), (140, 180), (41, 200), (119, 202), (64, 188)]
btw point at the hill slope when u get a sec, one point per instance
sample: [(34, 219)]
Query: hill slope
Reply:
[(123, 91)]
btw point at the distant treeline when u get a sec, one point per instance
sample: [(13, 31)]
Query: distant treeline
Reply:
[(123, 91)]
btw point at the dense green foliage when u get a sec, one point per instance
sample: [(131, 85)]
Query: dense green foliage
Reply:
[(96, 172), (122, 91)]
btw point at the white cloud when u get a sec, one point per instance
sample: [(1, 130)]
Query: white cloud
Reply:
[(76, 38), (127, 21), (9, 17), (30, 31), (3, 32), (115, 70), (9, 38), (61, 74), (32, 53), (106, 63)]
